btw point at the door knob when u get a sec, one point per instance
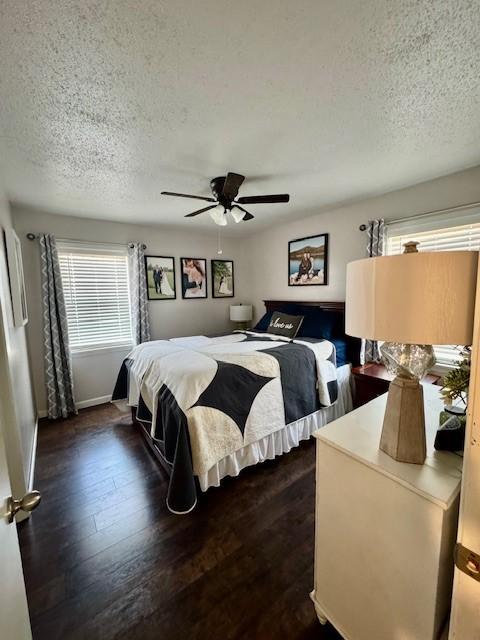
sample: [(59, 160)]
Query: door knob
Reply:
[(29, 502)]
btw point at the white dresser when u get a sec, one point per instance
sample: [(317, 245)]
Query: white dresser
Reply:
[(385, 530)]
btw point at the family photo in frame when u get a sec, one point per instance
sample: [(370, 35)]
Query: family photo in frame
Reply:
[(308, 261)]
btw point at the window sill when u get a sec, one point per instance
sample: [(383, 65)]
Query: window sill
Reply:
[(100, 351)]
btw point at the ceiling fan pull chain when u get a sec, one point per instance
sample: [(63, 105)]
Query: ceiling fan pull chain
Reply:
[(219, 242)]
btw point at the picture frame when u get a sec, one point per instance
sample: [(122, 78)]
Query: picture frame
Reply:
[(16, 278), (194, 278), (223, 284), (160, 275), (308, 261)]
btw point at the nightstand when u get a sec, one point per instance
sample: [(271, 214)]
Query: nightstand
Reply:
[(385, 531), (372, 380)]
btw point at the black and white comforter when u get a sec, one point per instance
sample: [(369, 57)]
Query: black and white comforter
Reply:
[(205, 398)]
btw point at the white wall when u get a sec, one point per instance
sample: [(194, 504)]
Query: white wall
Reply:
[(268, 249), (94, 374), (20, 416)]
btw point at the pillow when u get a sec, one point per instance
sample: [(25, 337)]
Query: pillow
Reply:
[(322, 324), (317, 323), (262, 324), (282, 324)]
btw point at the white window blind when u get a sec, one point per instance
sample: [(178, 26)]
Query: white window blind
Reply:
[(95, 284), (444, 232)]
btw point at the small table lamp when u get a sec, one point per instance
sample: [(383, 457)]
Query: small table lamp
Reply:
[(241, 314), (411, 301)]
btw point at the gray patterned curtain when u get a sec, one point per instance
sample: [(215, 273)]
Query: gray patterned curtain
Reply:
[(58, 364), (138, 292), (375, 240)]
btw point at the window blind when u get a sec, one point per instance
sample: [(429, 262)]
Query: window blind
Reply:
[(438, 233), (95, 284)]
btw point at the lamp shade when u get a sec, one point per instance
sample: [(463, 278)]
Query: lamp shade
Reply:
[(413, 298), (241, 312), (238, 216), (218, 215)]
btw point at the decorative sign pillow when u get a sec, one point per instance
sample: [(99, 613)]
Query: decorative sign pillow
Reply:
[(282, 324)]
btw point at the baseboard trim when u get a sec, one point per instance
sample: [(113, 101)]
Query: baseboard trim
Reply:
[(83, 404)]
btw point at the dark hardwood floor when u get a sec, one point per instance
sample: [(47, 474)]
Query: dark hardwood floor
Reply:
[(103, 557)]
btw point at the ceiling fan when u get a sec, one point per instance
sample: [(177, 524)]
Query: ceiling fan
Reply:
[(225, 191)]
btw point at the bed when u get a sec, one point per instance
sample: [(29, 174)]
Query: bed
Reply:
[(210, 406)]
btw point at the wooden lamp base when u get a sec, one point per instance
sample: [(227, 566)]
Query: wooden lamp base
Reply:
[(403, 433)]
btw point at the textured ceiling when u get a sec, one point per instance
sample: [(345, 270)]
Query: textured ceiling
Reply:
[(104, 104)]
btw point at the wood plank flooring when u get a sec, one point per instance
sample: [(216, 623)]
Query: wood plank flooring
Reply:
[(103, 557)]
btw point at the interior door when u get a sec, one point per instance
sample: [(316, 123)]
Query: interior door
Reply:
[(14, 618), (465, 616)]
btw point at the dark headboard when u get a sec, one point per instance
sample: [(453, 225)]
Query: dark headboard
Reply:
[(353, 344), (274, 305)]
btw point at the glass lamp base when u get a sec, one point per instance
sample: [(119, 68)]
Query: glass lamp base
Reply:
[(403, 434), (407, 360)]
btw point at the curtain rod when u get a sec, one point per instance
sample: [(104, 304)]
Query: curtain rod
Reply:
[(363, 227), (32, 236)]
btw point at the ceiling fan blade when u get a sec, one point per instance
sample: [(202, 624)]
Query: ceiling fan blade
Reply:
[(185, 195), (196, 213), (232, 184), (280, 197), (247, 216)]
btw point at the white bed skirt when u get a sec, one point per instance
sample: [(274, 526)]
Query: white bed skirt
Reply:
[(283, 440)]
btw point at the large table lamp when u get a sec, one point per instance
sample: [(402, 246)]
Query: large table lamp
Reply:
[(411, 302)]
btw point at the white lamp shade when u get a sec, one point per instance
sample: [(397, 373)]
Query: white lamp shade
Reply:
[(240, 312), (218, 215), (413, 298), (238, 216)]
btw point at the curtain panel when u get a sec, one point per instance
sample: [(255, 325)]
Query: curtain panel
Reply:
[(58, 363), (375, 247), (138, 292)]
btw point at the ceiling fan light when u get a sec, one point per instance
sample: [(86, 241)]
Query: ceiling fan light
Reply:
[(237, 215), (218, 216)]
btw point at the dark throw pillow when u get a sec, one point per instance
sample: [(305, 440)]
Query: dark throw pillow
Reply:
[(262, 324), (282, 324)]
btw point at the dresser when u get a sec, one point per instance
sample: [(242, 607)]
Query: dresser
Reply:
[(384, 530)]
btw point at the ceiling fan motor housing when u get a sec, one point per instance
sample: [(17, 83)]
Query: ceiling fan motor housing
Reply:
[(216, 186)]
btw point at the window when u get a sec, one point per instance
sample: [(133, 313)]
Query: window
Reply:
[(450, 231), (95, 284)]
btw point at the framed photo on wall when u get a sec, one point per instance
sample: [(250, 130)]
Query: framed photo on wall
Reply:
[(17, 281), (308, 261), (160, 272), (222, 279), (194, 278)]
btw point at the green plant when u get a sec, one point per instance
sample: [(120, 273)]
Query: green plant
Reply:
[(455, 383)]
